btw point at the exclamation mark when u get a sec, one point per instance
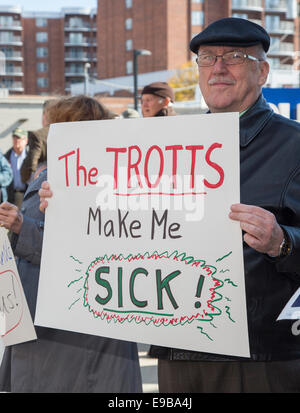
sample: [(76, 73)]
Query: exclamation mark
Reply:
[(199, 290)]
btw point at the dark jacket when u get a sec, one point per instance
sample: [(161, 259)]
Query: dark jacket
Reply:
[(169, 111), (270, 179)]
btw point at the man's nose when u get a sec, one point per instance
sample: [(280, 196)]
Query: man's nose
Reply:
[(219, 66)]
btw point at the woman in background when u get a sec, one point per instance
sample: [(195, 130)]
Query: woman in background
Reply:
[(60, 361)]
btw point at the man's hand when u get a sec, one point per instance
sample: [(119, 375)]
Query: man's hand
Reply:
[(11, 217), (262, 231), (44, 193)]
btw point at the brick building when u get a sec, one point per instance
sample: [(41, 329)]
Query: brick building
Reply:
[(46, 53)]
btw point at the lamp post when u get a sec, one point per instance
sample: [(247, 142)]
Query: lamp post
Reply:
[(136, 53), (86, 77)]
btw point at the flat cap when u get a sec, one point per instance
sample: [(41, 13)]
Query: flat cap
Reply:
[(231, 31), (161, 89), (20, 133)]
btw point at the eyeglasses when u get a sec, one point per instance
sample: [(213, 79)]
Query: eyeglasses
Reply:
[(229, 58)]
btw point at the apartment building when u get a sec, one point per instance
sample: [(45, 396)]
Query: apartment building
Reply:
[(47, 53), (165, 28), (11, 45)]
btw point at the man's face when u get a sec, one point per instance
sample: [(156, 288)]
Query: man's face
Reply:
[(231, 88), (152, 104), (19, 144)]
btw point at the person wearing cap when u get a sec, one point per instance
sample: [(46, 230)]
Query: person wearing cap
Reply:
[(231, 56), (157, 99), (16, 155)]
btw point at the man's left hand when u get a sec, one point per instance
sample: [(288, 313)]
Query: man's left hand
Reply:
[(262, 231)]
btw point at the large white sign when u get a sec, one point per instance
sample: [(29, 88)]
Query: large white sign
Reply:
[(15, 320), (138, 244)]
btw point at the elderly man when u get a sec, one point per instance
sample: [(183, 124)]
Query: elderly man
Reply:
[(231, 56), (16, 156), (157, 99)]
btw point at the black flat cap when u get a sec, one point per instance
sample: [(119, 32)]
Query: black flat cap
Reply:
[(231, 31), (161, 89)]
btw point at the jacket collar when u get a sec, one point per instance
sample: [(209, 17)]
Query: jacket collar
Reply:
[(35, 185), (253, 121)]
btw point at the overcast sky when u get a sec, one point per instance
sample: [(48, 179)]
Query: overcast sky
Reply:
[(53, 5)]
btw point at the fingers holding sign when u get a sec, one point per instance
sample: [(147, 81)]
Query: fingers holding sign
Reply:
[(262, 231), (45, 193), (10, 217)]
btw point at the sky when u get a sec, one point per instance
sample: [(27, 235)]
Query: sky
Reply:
[(53, 5)]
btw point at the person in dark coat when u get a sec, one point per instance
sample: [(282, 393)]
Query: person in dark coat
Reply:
[(231, 56), (157, 99), (60, 361)]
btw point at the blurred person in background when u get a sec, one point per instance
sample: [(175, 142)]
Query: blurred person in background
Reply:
[(60, 361), (15, 156), (157, 99)]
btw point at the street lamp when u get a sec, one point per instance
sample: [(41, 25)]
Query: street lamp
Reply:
[(136, 53), (86, 77)]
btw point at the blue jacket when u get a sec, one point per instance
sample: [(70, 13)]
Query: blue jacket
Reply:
[(6, 176)]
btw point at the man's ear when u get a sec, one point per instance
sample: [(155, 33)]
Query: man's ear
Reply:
[(167, 101), (264, 72)]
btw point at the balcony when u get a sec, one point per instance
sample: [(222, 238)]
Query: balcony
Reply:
[(11, 25), (282, 49), (16, 56), (79, 57), (247, 5), (13, 86), (74, 72), (85, 42), (11, 40), (284, 27), (16, 71), (85, 27), (276, 6)]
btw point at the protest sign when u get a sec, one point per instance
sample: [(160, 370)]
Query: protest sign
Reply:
[(15, 320), (138, 244)]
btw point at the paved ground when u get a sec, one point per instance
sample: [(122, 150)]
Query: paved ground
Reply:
[(148, 368)]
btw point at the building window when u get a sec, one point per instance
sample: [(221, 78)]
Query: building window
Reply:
[(42, 67), (41, 22), (272, 22), (129, 67), (42, 82), (76, 38), (128, 44), (6, 37), (128, 24), (6, 21), (75, 22), (42, 52), (197, 18), (128, 4), (42, 37)]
